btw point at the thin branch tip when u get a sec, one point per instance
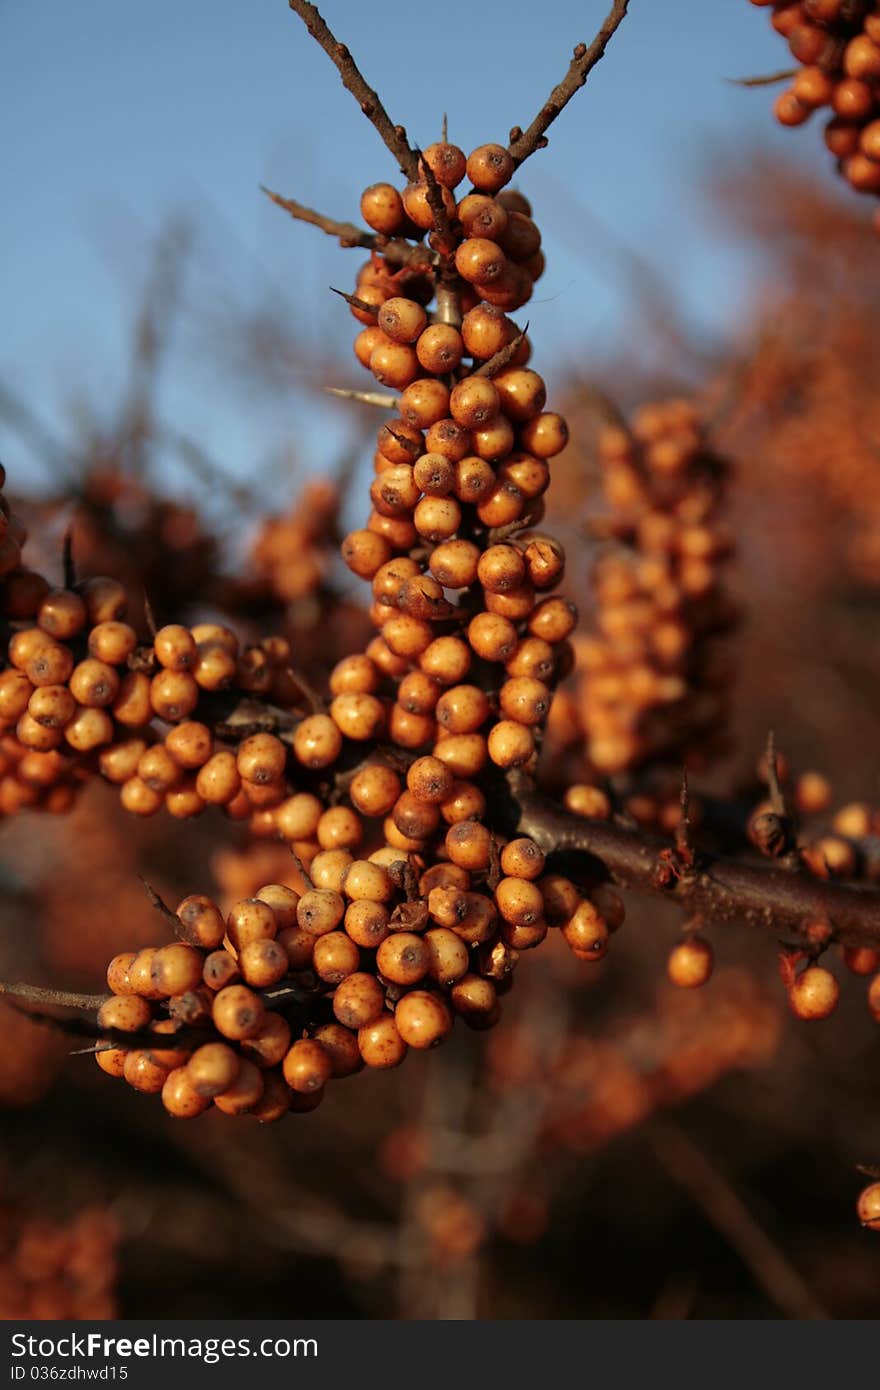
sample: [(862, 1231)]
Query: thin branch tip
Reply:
[(584, 59), (393, 136)]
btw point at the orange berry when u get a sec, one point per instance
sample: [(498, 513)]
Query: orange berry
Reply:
[(814, 993), (422, 1019), (690, 963)]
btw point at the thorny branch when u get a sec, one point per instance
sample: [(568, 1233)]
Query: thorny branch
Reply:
[(522, 144), (347, 233), (395, 250), (721, 890), (290, 998), (353, 80)]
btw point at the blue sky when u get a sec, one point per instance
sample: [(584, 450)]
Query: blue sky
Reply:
[(117, 115)]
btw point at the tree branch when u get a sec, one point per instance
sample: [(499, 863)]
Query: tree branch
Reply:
[(57, 998), (353, 80), (584, 60), (347, 232), (780, 902), (395, 251)]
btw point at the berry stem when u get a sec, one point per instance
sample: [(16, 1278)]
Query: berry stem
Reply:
[(157, 902)]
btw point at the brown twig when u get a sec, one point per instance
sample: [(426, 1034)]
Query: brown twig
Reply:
[(777, 797), (54, 998), (584, 60), (768, 80), (314, 701), (301, 868), (162, 908), (394, 250), (496, 534), (394, 136), (346, 232), (683, 829), (695, 1173), (149, 616)]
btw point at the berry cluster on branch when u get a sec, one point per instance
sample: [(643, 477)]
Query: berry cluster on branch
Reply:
[(837, 46), (650, 682), (428, 923), (427, 861)]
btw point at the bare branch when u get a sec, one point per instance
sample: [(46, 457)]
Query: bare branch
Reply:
[(768, 80), (683, 829), (353, 80), (722, 890), (585, 58), (150, 617), (57, 998), (395, 251), (695, 1172), (777, 797), (347, 233), (164, 911), (301, 868)]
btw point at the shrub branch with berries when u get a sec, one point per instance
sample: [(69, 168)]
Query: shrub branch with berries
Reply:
[(836, 44), (428, 856)]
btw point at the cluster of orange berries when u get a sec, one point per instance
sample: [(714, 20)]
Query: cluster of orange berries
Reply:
[(468, 630), (81, 693), (490, 244), (255, 1011), (292, 554), (650, 681), (837, 44), (58, 1271)]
